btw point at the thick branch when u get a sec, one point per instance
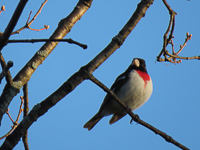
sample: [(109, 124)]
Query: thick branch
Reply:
[(41, 108)]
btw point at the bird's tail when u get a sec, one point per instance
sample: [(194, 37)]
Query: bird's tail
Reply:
[(93, 121), (116, 117)]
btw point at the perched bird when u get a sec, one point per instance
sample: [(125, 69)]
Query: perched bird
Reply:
[(133, 87)]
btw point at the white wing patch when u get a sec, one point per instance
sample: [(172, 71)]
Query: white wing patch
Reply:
[(118, 80), (121, 78)]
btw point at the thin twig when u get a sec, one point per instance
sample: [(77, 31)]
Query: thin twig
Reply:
[(7, 134), (188, 37), (170, 29), (134, 116), (168, 7), (84, 46), (46, 27), (179, 57), (7, 112), (29, 17), (28, 24), (15, 123), (20, 109), (2, 9), (39, 11)]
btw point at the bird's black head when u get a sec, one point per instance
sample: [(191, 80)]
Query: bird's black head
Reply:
[(138, 64)]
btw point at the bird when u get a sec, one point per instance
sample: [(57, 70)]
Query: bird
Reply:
[(133, 87)]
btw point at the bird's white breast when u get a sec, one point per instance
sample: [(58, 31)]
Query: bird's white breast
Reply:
[(136, 91)]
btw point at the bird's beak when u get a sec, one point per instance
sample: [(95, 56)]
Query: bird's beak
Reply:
[(136, 62)]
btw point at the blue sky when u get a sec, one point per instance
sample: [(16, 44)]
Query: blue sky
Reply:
[(172, 108)]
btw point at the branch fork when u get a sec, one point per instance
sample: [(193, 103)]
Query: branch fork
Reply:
[(168, 39)]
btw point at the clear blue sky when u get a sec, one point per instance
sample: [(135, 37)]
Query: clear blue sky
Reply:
[(172, 108)]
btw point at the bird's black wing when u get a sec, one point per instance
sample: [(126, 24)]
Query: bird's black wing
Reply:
[(121, 79)]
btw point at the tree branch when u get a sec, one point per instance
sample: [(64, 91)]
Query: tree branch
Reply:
[(26, 109), (5, 69), (77, 78), (15, 123), (12, 23), (3, 65), (28, 24), (2, 9), (170, 29), (70, 41), (168, 40)]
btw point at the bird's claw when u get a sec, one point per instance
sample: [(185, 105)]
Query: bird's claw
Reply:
[(136, 119)]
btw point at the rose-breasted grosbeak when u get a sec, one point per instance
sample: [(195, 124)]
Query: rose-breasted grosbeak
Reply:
[(133, 87)]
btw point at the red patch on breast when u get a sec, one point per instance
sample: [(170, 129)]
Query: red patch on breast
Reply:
[(144, 76)]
